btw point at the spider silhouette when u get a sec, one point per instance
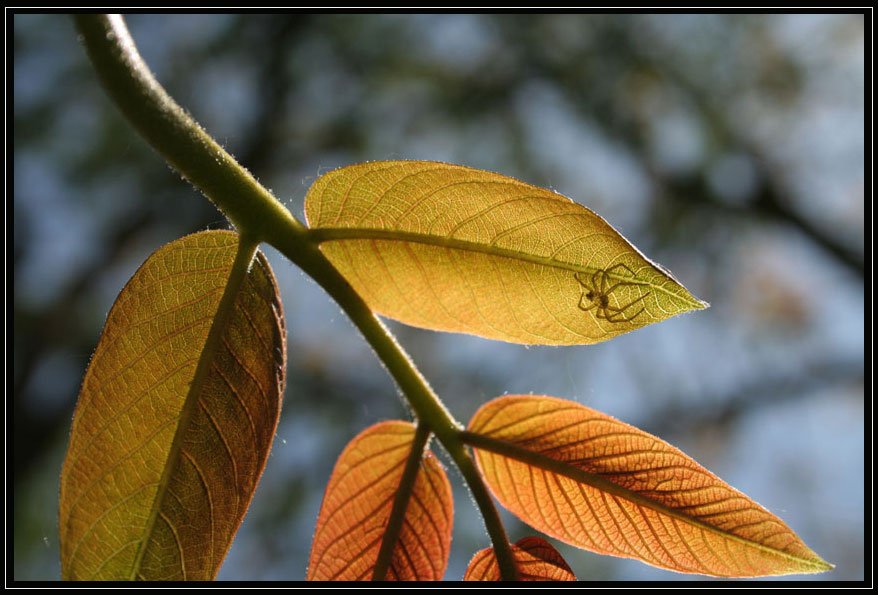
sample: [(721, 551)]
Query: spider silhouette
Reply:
[(597, 290)]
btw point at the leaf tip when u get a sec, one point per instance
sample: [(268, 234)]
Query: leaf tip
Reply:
[(821, 565), (695, 303)]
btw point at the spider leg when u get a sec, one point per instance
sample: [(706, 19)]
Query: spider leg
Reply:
[(618, 266), (581, 298), (581, 282), (619, 315), (640, 299), (594, 279), (621, 265), (622, 284)]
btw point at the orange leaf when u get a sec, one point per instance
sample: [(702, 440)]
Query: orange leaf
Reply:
[(162, 462), (357, 506), (537, 560), (594, 482)]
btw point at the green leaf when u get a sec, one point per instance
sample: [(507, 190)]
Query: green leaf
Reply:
[(451, 248), (176, 416)]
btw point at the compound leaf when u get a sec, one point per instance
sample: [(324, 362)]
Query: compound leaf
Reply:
[(357, 507), (162, 462), (451, 248), (535, 558), (594, 482)]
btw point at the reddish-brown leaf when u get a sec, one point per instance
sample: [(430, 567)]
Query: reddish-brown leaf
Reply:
[(594, 482), (535, 557), (357, 506)]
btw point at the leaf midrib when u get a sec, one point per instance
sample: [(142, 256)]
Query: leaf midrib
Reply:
[(224, 312), (333, 234)]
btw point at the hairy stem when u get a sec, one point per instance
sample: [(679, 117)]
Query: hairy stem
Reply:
[(254, 211), (427, 406), (176, 136)]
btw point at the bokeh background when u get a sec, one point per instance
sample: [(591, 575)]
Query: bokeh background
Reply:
[(728, 148)]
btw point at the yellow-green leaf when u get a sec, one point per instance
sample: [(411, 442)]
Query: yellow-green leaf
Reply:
[(592, 481), (452, 248), (162, 462)]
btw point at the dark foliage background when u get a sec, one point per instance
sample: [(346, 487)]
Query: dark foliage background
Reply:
[(728, 148)]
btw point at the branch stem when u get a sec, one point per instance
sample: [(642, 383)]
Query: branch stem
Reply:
[(256, 213), (174, 134)]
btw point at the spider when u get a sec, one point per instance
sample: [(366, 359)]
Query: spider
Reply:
[(598, 293)]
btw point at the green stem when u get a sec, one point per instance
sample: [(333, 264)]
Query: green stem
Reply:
[(418, 393), (253, 210), (171, 132)]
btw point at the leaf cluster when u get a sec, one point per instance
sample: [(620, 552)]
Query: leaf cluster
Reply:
[(182, 397)]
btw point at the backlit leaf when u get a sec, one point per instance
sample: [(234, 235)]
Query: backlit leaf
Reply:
[(537, 560), (457, 249), (161, 465), (357, 505), (594, 482)]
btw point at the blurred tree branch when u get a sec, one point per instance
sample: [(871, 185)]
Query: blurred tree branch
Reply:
[(750, 395), (770, 199), (54, 327)]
